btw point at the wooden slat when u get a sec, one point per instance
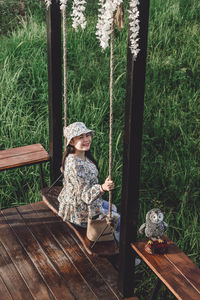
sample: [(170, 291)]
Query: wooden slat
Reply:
[(20, 150), (50, 275), (22, 262), (100, 249), (22, 156), (46, 256), (167, 268), (59, 258), (99, 282), (11, 277), (4, 291), (104, 268), (131, 298), (184, 264), (106, 271)]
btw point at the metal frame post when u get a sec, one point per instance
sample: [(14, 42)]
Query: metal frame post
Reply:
[(54, 88), (132, 155)]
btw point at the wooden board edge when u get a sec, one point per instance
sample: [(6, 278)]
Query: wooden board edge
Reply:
[(24, 164)]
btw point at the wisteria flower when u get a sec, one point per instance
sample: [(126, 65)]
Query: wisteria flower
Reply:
[(105, 18), (48, 3), (78, 17), (63, 4), (134, 27)]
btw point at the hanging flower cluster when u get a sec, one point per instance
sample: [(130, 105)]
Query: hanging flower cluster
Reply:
[(48, 3), (63, 4), (78, 17), (105, 18), (107, 9), (134, 27)]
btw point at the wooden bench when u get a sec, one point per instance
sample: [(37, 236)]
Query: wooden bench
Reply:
[(174, 269), (24, 156)]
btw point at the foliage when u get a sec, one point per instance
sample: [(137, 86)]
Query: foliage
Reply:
[(14, 12)]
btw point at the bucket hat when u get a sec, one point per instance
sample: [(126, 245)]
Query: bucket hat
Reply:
[(75, 129)]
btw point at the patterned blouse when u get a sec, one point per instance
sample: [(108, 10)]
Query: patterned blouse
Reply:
[(81, 195)]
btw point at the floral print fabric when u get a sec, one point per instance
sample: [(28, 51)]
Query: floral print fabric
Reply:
[(81, 194)]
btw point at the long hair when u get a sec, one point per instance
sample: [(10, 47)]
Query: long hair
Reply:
[(70, 150)]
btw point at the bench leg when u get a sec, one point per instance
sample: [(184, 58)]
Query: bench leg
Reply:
[(42, 182)]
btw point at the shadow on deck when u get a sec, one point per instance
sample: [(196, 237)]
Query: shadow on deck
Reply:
[(41, 258)]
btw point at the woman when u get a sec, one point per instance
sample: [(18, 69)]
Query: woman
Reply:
[(81, 196)]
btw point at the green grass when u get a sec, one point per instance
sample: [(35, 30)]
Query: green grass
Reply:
[(170, 169)]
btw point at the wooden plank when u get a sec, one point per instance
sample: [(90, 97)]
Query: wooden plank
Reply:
[(105, 274), (11, 277), (176, 280), (4, 291), (22, 156), (184, 264), (89, 270), (22, 262), (18, 161), (43, 264), (21, 150), (59, 258), (106, 271), (100, 249), (131, 298)]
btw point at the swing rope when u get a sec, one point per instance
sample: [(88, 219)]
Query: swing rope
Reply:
[(111, 113), (65, 68), (111, 95)]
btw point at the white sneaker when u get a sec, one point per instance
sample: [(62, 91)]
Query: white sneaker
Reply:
[(137, 261)]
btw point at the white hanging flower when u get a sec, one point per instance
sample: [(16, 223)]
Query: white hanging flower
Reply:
[(105, 18), (78, 17), (48, 3), (134, 27), (63, 4)]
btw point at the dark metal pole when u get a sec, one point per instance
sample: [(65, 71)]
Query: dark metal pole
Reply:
[(54, 88), (132, 155)]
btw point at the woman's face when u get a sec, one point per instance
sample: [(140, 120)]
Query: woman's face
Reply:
[(82, 142)]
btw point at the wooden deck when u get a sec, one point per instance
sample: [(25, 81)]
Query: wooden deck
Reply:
[(100, 249), (41, 258)]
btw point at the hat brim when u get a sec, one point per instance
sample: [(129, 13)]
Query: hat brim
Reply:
[(82, 132)]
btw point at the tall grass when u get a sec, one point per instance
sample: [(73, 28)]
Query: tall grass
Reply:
[(170, 169)]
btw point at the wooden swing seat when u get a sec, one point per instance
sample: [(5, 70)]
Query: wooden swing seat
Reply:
[(101, 248)]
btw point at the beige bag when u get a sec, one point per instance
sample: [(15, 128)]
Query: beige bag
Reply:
[(96, 226)]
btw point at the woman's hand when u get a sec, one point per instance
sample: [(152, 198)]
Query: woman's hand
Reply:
[(108, 185)]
